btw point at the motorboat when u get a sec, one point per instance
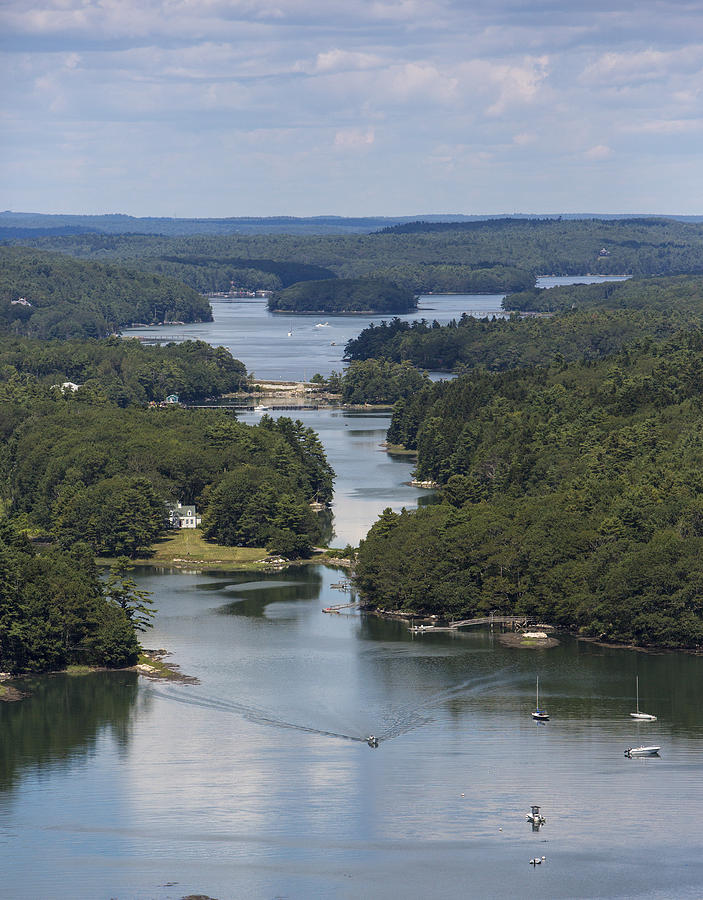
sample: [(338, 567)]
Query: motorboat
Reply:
[(372, 741), (642, 751), (535, 817), (641, 716), (541, 715)]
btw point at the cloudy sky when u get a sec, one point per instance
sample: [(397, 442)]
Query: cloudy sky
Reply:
[(360, 107)]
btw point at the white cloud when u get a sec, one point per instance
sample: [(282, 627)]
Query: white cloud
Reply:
[(600, 151), (354, 138), (339, 61)]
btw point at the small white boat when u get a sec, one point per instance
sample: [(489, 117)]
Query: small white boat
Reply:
[(261, 409), (641, 716), (541, 715), (322, 325), (642, 751)]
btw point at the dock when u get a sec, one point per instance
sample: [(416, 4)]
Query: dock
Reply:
[(338, 607), (514, 621)]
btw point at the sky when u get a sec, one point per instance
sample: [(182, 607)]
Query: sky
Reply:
[(361, 107)]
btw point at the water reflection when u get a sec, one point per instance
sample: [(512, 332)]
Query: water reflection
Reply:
[(63, 720)]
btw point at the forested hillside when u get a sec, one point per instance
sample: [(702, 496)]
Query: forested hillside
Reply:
[(572, 493), (49, 295), (82, 472), (55, 611), (588, 321), (493, 255), (120, 372)]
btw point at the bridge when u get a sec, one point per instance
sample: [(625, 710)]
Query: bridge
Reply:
[(514, 621)]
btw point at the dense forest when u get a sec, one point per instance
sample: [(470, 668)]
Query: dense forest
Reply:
[(573, 493), (93, 471), (682, 295), (495, 255), (374, 381), (119, 372), (591, 321), (55, 611), (49, 295), (76, 471), (344, 295)]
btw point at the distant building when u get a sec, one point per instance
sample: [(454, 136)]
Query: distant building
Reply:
[(184, 516), (21, 301), (67, 386), (172, 398), (604, 251)]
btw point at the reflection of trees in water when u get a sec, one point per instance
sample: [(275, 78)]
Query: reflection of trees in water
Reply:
[(63, 719), (325, 517), (252, 595)]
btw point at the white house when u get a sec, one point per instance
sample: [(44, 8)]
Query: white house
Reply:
[(184, 516)]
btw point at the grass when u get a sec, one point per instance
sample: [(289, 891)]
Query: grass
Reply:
[(80, 670), (186, 548)]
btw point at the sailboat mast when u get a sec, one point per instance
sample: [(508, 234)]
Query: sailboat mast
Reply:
[(637, 691)]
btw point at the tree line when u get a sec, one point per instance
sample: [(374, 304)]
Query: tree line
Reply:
[(571, 492), (120, 372), (50, 295), (582, 322)]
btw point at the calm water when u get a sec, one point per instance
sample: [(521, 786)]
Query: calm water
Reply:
[(261, 340), (257, 782)]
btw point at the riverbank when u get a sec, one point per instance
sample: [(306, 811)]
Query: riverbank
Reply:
[(186, 549)]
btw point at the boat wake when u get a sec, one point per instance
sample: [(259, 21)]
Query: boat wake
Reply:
[(250, 713), (396, 721)]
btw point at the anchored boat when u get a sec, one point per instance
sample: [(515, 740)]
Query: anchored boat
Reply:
[(641, 716), (642, 751), (540, 715)]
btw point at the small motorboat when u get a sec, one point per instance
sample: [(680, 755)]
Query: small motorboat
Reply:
[(642, 751), (535, 817), (372, 741)]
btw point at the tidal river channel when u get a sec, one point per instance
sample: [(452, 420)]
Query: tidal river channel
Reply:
[(257, 782)]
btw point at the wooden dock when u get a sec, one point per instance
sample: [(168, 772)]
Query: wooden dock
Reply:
[(338, 607), (514, 621)]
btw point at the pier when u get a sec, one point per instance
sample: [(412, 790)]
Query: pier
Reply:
[(514, 621)]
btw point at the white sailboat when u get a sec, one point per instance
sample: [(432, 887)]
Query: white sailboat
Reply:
[(540, 715), (642, 716)]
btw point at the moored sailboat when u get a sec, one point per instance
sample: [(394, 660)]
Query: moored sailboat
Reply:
[(541, 715), (642, 716)]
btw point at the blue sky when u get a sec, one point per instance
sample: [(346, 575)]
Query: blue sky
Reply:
[(361, 107)]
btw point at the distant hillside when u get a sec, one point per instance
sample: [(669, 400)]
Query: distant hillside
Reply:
[(49, 295), (123, 224)]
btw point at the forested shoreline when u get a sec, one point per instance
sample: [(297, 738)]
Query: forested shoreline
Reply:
[(343, 296), (582, 321), (570, 492), (50, 295), (93, 468)]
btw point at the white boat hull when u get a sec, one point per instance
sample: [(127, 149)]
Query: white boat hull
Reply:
[(642, 751), (643, 717)]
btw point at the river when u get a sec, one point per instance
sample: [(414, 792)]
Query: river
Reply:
[(283, 347), (257, 782)]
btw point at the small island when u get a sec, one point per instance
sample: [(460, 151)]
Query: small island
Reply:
[(343, 296)]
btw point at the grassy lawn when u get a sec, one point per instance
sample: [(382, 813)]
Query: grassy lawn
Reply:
[(186, 547)]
